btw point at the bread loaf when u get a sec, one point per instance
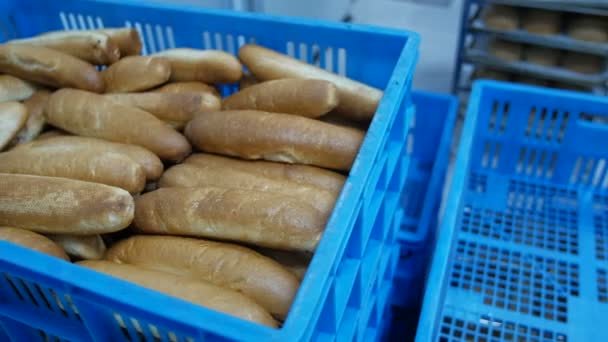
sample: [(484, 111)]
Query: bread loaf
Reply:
[(541, 22), (88, 114), (81, 247), (188, 87), (12, 118), (357, 100), (136, 73), (49, 67), (194, 291), (35, 106), (507, 51), (94, 47), (208, 66), (127, 39), (542, 56), (276, 137), (223, 264), (260, 218), (31, 240), (588, 28), (501, 17), (301, 174), (15, 89), (63, 206)]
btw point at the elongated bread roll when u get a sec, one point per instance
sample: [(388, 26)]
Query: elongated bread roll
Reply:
[(195, 291), (208, 66), (501, 17), (15, 89), (177, 108), (201, 175), (12, 118), (278, 137), (223, 264), (309, 98), (152, 166), (136, 73), (88, 114), (94, 47), (542, 22), (127, 39), (82, 247), (63, 206), (301, 174), (49, 67), (357, 100), (75, 162), (588, 28), (35, 107), (188, 87), (261, 218), (297, 263), (32, 240)]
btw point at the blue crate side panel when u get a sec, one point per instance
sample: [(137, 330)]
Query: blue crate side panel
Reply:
[(520, 254)]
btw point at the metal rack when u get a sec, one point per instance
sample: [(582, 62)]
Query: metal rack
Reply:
[(473, 28)]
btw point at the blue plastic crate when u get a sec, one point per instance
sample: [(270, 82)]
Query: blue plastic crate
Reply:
[(44, 298), (521, 252)]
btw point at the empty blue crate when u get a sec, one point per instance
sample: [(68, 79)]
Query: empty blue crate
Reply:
[(344, 291), (522, 250)]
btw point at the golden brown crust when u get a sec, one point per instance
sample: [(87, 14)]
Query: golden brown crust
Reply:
[(277, 137), (63, 206), (188, 87), (89, 247), (194, 291), (309, 98), (126, 38), (223, 264), (32, 240), (93, 115), (357, 100), (136, 73), (207, 66), (35, 105), (15, 89), (261, 218), (13, 116), (49, 67)]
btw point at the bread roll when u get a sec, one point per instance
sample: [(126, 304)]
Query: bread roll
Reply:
[(296, 263), (87, 247), (223, 264), (49, 67), (301, 174), (200, 175), (507, 51), (588, 28), (31, 240), (75, 162), (15, 89), (176, 109), (309, 98), (94, 47), (276, 137), (357, 100), (194, 291), (88, 114), (136, 73), (542, 56), (501, 17), (583, 63), (260, 218), (541, 22), (126, 38), (12, 118), (63, 206), (34, 125), (188, 87), (207, 66), (150, 163)]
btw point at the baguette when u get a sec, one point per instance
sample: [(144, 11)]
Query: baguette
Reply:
[(33, 241), (301, 174), (277, 137), (150, 163), (15, 89), (34, 125), (63, 206), (357, 100), (190, 175), (88, 247), (136, 73), (75, 162), (309, 98), (93, 115), (49, 67), (188, 87), (208, 66), (223, 264), (94, 47), (12, 118), (260, 218), (127, 39), (176, 109), (193, 291)]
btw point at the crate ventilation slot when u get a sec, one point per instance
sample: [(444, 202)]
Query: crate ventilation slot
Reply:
[(546, 125), (72, 21)]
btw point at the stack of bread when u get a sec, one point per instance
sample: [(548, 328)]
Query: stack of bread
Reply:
[(97, 167)]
